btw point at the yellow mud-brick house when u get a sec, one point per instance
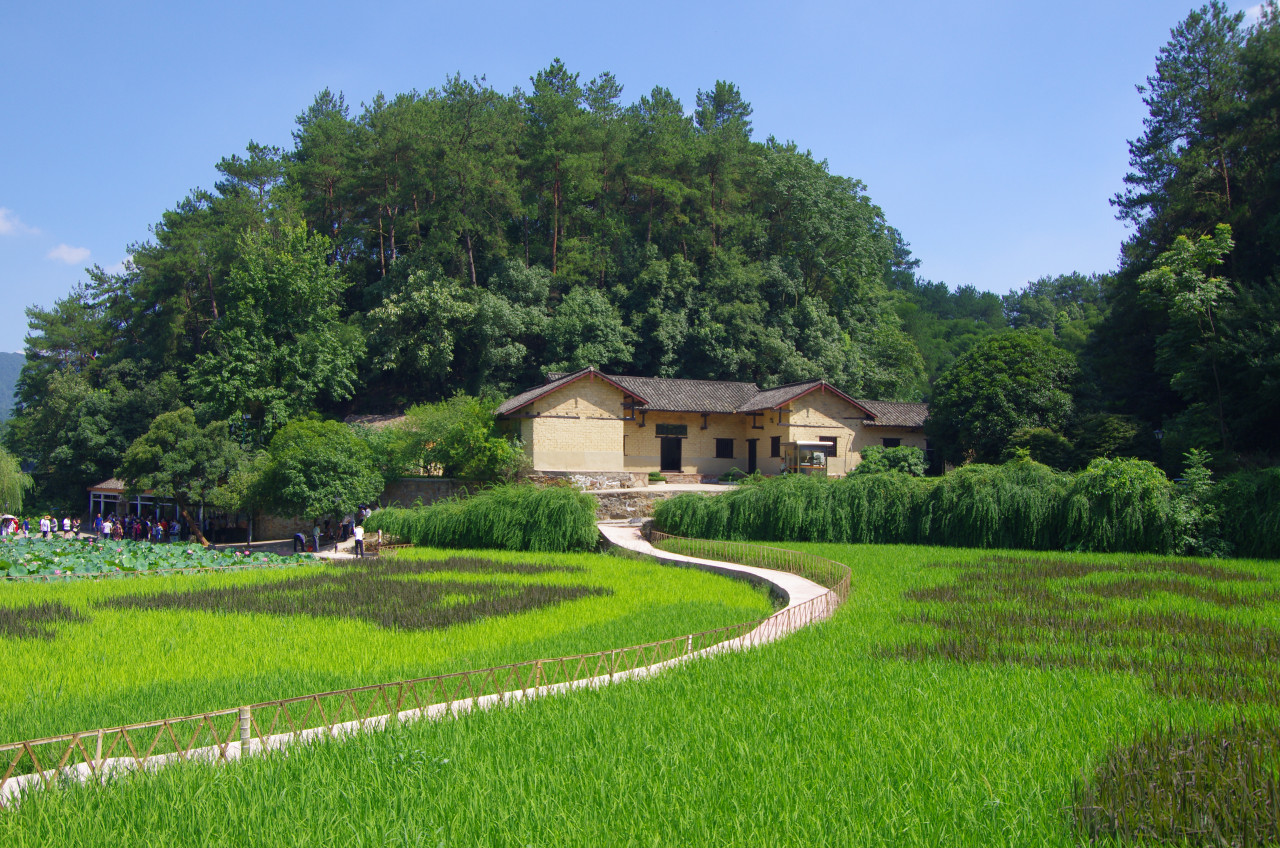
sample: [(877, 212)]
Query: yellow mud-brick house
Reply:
[(587, 422)]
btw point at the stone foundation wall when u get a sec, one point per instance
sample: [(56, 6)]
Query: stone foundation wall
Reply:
[(407, 491), (593, 481), (626, 505)]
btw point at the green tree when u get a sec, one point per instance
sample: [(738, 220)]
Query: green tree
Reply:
[(281, 347), (317, 468), (1180, 283), (1004, 383), (459, 437), (586, 329), (14, 484), (177, 458)]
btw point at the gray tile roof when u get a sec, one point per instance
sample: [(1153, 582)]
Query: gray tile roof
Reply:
[(890, 413), (666, 394), (770, 398), (530, 395)]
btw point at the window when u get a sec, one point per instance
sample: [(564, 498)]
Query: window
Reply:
[(724, 448), (671, 429), (775, 446), (830, 440), (892, 443)]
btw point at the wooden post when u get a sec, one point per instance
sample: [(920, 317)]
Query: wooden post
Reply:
[(244, 731), (97, 753)]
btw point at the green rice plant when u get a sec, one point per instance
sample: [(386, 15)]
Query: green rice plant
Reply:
[(513, 517), (824, 738), (86, 654)]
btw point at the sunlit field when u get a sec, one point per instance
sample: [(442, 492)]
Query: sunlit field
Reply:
[(959, 698), (85, 654)]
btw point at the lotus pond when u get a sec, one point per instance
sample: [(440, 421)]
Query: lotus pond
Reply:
[(71, 558)]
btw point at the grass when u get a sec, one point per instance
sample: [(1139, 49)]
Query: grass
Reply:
[(81, 655), (846, 733)]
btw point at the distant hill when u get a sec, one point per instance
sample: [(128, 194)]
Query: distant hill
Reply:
[(10, 367)]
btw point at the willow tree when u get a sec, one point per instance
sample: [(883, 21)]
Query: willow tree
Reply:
[(14, 484)]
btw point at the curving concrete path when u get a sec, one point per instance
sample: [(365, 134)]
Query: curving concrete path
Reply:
[(792, 588), (803, 607)]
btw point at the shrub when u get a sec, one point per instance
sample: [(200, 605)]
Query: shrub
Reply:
[(656, 477), (1248, 506), (877, 459), (1121, 505), (520, 517), (1015, 505), (1044, 446), (1113, 505)]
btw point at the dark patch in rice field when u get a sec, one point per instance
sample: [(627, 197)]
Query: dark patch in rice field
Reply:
[(1186, 788), (1215, 787), (469, 565), (1075, 614), (374, 593), (35, 621)]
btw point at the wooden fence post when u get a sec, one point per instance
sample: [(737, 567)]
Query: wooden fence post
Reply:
[(244, 731)]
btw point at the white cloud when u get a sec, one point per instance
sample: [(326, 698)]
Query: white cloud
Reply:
[(1253, 14), (10, 225), (68, 254), (120, 267)]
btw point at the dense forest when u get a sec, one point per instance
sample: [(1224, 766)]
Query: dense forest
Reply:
[(464, 239)]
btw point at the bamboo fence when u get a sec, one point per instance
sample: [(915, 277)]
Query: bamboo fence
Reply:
[(225, 735)]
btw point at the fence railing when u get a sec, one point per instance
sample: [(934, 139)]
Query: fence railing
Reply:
[(225, 735)]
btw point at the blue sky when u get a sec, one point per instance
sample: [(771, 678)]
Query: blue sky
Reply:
[(991, 133)]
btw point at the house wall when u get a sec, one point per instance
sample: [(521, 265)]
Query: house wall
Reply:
[(576, 428), (821, 414), (642, 446), (579, 428)]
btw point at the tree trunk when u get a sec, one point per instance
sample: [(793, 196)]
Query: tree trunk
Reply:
[(555, 223), (382, 248), (471, 258), (194, 525), (213, 301)]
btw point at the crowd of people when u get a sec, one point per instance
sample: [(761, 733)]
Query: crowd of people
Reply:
[(135, 527), (161, 529), (47, 526)]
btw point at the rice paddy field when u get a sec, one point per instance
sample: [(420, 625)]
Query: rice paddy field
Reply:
[(960, 698), (79, 654)]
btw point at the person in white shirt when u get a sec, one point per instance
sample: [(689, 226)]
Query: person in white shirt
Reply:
[(360, 540), (44, 527)]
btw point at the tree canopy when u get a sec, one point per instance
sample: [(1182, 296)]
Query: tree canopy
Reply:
[(1002, 384)]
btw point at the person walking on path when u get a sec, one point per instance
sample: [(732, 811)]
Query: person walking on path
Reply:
[(315, 536), (359, 540), (44, 527)]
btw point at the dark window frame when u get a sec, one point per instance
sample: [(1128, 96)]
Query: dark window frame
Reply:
[(891, 443), (833, 441), (775, 447), (724, 448), (671, 431)]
